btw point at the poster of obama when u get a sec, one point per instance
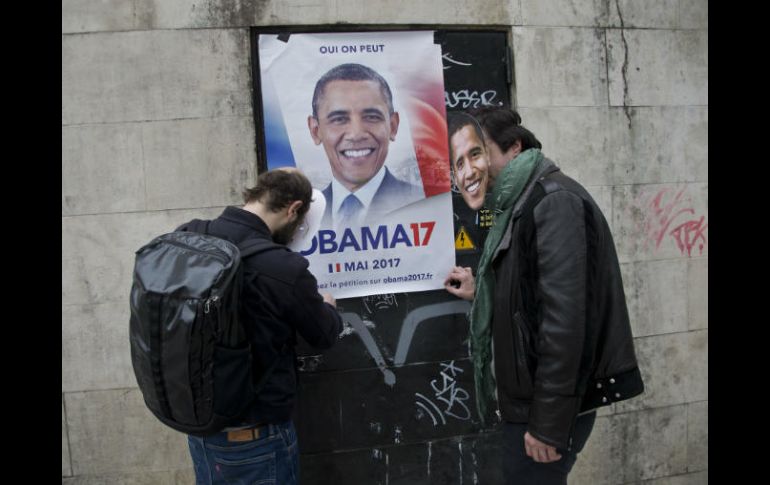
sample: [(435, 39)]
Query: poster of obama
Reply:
[(362, 115)]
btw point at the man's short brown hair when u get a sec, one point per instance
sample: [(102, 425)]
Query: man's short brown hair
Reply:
[(278, 188)]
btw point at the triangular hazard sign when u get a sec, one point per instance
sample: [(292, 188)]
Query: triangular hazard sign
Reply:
[(463, 240)]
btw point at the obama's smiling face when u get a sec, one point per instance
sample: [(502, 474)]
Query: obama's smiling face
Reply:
[(355, 126), (470, 166)]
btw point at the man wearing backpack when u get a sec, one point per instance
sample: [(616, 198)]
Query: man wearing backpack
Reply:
[(279, 299)]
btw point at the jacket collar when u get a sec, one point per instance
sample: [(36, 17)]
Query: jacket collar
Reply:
[(243, 217), (546, 167)]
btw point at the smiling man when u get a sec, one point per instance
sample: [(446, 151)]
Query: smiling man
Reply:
[(353, 118), (548, 298)]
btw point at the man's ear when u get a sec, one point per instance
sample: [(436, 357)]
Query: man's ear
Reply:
[(312, 125), (294, 208), (514, 150), (394, 120)]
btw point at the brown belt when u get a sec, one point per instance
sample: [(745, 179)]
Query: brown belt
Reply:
[(248, 434)]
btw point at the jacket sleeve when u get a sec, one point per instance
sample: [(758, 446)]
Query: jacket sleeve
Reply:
[(316, 321), (562, 266)]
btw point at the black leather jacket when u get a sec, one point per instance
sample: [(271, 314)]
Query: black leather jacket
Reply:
[(278, 300), (562, 338)]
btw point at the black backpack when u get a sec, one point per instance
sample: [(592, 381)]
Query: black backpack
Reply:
[(189, 350)]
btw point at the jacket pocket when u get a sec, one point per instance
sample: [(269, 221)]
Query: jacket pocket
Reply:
[(523, 363)]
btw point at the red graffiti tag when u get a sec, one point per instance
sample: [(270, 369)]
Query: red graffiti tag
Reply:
[(662, 216), (687, 235)]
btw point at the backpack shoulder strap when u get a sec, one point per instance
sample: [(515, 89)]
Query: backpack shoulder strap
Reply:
[(196, 225)]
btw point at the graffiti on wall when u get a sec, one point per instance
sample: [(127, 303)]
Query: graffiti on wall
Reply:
[(365, 329), (374, 303), (448, 57), (410, 323), (669, 213), (467, 98), (452, 397)]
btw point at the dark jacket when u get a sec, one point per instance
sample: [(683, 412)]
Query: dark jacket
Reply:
[(279, 299), (562, 338)]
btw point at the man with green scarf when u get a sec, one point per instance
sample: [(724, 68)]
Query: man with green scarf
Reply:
[(548, 302)]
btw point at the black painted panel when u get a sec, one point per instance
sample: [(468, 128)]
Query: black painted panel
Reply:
[(357, 409), (463, 459)]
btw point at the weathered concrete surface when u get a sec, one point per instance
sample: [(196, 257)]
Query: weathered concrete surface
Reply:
[(674, 368), (560, 66), (650, 443), (102, 169), (639, 75), (95, 347), (697, 478), (91, 15), (629, 447), (694, 14), (581, 140), (161, 165), (570, 13), (66, 466), (97, 15), (697, 436), (114, 432), (648, 14), (198, 163), (160, 75), (657, 144), (408, 12), (600, 146), (655, 304), (697, 293)]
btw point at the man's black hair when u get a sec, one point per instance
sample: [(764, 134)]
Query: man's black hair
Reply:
[(503, 126), (351, 72)]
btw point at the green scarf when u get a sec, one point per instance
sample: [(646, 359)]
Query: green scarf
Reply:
[(508, 187)]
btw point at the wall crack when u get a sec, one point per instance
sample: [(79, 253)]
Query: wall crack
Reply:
[(624, 71)]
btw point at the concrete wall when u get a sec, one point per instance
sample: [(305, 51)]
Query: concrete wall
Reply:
[(157, 128)]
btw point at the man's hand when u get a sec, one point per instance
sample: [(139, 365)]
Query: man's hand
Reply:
[(461, 283), (328, 298), (539, 451)]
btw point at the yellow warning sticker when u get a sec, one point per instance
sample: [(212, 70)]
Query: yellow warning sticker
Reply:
[(463, 240)]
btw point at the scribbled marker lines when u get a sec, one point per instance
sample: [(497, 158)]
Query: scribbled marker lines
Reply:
[(447, 57), (430, 413)]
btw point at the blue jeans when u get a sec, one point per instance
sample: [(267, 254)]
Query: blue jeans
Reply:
[(272, 459), (520, 469)]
